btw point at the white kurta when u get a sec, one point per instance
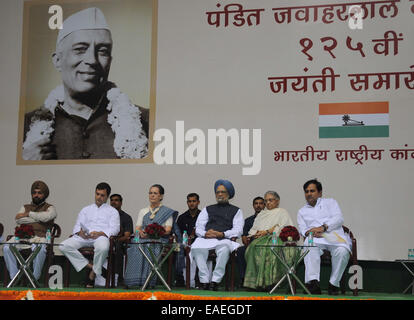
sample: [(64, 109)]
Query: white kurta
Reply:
[(235, 231), (326, 211), (266, 219), (93, 218), (223, 247)]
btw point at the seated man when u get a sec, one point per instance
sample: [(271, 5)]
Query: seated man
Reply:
[(40, 215), (126, 226), (323, 217), (94, 226), (215, 226), (186, 222)]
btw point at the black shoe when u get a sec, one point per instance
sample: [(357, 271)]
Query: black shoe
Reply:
[(179, 283), (313, 287), (214, 286), (203, 286), (332, 290), (104, 273)]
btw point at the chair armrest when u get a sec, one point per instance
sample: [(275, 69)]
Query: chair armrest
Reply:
[(354, 251), (56, 231)]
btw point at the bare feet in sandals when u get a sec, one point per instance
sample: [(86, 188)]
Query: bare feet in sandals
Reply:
[(91, 278)]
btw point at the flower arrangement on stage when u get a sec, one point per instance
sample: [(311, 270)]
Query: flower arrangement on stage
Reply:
[(154, 231), (289, 234), (25, 231)]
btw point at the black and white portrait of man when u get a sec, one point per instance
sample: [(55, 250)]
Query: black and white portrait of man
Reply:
[(87, 116)]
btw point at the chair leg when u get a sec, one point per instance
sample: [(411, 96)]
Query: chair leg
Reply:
[(342, 284), (109, 272), (226, 277), (6, 278), (233, 258), (49, 261), (355, 292), (113, 274), (170, 264), (187, 269), (67, 272)]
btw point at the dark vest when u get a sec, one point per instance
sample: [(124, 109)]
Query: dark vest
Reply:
[(77, 138), (220, 217)]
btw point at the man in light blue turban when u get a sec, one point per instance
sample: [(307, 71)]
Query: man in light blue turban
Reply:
[(227, 184), (215, 227)]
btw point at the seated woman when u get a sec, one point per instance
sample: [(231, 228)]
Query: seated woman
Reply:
[(262, 267), (138, 268)]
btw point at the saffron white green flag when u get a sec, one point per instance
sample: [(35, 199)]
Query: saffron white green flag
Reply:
[(354, 120)]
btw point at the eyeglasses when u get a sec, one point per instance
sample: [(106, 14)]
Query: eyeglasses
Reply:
[(270, 200), (218, 192)]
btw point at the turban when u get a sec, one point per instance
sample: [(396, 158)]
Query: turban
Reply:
[(42, 186), (88, 19), (227, 184)]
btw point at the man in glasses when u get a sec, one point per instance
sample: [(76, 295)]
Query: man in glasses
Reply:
[(215, 227)]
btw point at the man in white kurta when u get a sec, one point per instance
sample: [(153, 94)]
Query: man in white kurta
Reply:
[(94, 226), (215, 227), (323, 218)]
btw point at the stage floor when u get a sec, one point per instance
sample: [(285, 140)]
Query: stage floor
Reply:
[(159, 293)]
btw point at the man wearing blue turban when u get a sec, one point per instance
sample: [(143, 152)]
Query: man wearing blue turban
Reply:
[(215, 227)]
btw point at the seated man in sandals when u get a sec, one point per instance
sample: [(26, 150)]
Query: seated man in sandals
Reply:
[(94, 226)]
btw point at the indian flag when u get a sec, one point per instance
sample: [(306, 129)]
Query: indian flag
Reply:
[(354, 120)]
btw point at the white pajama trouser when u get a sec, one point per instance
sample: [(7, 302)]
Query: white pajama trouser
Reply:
[(200, 256), (340, 257), (11, 262), (193, 269), (70, 247)]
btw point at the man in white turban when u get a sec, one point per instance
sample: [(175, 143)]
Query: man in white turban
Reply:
[(87, 117), (215, 227)]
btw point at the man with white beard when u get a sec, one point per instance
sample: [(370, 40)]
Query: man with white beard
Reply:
[(215, 227)]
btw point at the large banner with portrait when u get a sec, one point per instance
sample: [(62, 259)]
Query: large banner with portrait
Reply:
[(267, 94), (88, 75)]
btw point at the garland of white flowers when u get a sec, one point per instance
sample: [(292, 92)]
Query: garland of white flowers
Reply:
[(124, 117)]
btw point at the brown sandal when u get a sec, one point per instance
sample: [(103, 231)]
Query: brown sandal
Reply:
[(90, 283)]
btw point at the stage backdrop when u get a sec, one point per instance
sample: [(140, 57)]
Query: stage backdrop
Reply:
[(302, 89)]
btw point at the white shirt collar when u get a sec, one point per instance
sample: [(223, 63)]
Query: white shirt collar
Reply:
[(317, 203)]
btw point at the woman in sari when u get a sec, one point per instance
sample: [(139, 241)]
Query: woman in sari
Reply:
[(262, 267), (138, 268)]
